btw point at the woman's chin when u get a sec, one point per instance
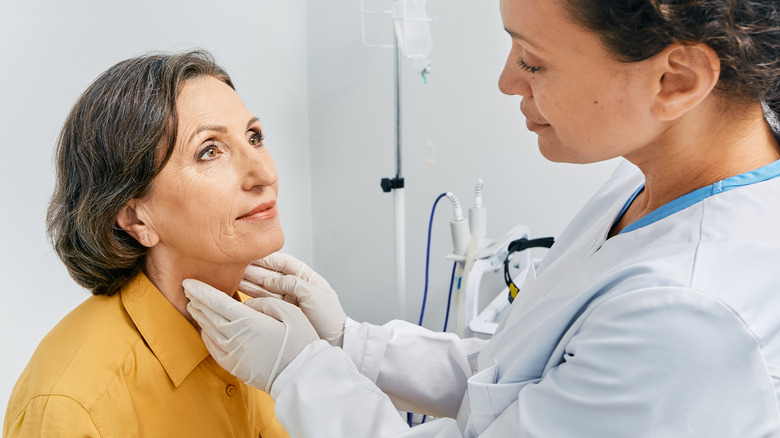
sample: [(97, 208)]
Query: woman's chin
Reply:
[(270, 245)]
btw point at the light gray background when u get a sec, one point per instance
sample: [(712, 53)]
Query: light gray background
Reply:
[(326, 103)]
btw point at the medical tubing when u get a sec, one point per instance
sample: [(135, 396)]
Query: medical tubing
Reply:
[(456, 205), (449, 296), (428, 257)]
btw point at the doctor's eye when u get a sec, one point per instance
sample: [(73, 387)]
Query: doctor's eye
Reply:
[(529, 68)]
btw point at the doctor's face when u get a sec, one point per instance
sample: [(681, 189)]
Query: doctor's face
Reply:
[(584, 105), (215, 199)]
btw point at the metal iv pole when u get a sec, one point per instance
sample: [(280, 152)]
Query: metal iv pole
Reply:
[(396, 185)]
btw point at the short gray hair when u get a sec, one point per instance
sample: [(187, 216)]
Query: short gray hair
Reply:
[(116, 139)]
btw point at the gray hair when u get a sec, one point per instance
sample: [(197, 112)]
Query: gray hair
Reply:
[(116, 139)]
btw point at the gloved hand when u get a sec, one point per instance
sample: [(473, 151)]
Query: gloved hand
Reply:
[(283, 276), (254, 341)]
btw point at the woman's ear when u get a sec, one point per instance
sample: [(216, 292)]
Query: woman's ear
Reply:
[(131, 218), (688, 73)]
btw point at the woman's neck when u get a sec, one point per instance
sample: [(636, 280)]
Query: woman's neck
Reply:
[(699, 152), (167, 273)]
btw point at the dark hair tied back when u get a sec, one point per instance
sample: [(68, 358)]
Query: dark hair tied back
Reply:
[(744, 33)]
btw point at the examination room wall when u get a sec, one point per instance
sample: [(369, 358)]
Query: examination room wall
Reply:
[(476, 132), (50, 51), (326, 103)]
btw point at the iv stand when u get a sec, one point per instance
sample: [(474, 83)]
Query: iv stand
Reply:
[(396, 185)]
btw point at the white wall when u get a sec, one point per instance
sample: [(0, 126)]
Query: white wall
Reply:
[(476, 131), (326, 103), (49, 53)]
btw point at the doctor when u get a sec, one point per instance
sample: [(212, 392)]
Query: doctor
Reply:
[(657, 312)]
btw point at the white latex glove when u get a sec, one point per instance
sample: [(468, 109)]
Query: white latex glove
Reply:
[(283, 276), (255, 340)]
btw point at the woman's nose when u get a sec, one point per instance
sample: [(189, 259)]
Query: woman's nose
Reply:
[(514, 80), (257, 167)]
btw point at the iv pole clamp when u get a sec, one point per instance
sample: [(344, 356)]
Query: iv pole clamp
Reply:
[(388, 184)]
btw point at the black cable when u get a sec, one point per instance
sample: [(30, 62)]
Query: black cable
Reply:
[(517, 246)]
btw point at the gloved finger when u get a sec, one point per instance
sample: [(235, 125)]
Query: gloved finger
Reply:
[(280, 262), (256, 273), (289, 265), (212, 325), (256, 291), (197, 290), (277, 309), (205, 316), (226, 360), (204, 296), (215, 347), (290, 286)]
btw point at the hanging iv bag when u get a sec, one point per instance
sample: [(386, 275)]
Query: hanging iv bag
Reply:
[(414, 33)]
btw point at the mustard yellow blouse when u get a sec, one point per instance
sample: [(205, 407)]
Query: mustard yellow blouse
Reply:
[(130, 365)]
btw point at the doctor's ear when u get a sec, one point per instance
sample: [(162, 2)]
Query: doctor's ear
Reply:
[(132, 219), (687, 74)]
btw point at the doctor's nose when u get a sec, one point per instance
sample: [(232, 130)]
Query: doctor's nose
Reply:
[(514, 80)]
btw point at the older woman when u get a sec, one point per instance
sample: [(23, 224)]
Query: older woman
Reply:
[(657, 312), (162, 175)]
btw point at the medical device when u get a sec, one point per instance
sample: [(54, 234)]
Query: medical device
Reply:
[(475, 255), (516, 246), (411, 39)]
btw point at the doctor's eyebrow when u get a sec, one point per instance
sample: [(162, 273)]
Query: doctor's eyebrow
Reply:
[(521, 37)]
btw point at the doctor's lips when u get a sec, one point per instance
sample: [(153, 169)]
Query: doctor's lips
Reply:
[(532, 125), (264, 211)]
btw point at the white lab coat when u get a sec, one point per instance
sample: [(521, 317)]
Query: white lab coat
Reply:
[(669, 330)]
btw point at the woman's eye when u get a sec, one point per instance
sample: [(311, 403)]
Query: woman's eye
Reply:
[(529, 68), (256, 139), (209, 153)]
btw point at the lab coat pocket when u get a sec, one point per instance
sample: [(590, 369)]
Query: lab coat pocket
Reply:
[(488, 399)]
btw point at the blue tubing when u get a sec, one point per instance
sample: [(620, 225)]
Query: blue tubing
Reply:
[(428, 258)]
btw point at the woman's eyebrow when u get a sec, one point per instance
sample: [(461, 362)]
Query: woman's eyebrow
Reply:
[(220, 128), (217, 128)]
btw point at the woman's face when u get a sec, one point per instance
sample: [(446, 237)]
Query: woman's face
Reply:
[(215, 199), (583, 105)]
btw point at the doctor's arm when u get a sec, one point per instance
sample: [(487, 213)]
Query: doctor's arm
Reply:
[(320, 390), (656, 362), (422, 371)]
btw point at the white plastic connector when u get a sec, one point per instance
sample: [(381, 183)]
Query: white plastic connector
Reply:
[(478, 216), (456, 210), (458, 227), (478, 193)]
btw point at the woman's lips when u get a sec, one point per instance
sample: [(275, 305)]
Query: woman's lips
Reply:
[(264, 211)]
